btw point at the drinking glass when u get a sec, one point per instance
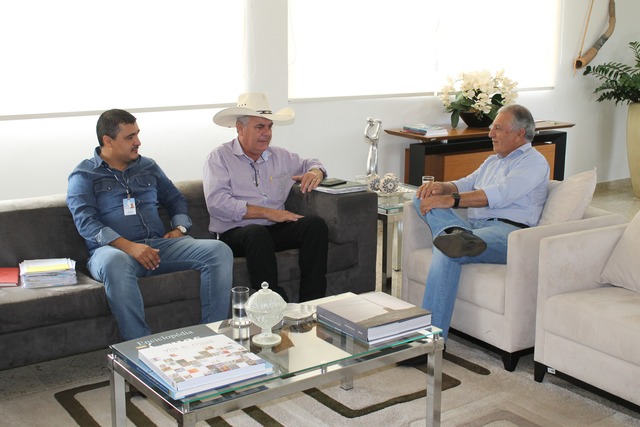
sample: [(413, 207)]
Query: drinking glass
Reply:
[(239, 298), (427, 178)]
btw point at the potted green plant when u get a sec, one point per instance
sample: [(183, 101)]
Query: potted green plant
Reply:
[(621, 84), (477, 96)]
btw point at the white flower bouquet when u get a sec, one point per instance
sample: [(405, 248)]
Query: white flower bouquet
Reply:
[(479, 93)]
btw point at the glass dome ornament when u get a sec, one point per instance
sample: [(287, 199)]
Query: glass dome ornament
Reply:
[(265, 309)]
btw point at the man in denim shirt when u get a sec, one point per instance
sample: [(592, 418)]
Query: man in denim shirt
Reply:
[(114, 200)]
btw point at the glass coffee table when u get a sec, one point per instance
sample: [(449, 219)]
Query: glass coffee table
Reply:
[(310, 355)]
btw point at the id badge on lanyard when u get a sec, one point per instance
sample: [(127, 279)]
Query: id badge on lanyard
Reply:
[(129, 205)]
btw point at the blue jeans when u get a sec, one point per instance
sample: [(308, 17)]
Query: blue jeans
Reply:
[(444, 273), (120, 272)]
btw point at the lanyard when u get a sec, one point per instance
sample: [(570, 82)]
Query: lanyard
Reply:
[(126, 187)]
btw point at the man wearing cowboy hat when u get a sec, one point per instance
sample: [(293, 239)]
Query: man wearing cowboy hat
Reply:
[(246, 182)]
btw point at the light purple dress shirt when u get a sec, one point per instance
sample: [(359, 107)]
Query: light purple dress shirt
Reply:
[(232, 181)]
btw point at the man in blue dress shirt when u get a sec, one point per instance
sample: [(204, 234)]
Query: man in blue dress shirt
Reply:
[(114, 198), (506, 193)]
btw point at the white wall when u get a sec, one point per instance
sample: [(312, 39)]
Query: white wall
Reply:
[(37, 155)]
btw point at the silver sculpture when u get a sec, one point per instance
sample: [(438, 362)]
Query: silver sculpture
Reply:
[(371, 136)]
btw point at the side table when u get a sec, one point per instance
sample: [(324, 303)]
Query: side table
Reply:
[(390, 211)]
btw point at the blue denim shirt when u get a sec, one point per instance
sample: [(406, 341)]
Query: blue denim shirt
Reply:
[(95, 198)]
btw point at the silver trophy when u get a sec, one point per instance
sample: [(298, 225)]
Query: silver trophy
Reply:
[(371, 136)]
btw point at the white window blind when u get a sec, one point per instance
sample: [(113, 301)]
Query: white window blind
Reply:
[(83, 55), (377, 47)]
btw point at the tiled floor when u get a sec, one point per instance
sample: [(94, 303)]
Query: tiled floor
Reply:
[(616, 197)]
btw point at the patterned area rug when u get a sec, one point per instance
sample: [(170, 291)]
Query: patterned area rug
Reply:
[(477, 391), (384, 397)]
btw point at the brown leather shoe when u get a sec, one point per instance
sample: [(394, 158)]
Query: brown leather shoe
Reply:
[(459, 242)]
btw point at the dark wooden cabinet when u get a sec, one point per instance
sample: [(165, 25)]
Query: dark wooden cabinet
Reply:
[(460, 152)]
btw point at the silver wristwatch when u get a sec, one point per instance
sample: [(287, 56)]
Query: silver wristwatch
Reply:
[(182, 229)]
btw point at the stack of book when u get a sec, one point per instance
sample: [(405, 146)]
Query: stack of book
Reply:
[(427, 130), (192, 360), (199, 364), (39, 273), (346, 187), (373, 317)]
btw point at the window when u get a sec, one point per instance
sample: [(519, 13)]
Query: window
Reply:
[(377, 47), (71, 56)]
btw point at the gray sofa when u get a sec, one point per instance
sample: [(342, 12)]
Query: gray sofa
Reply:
[(48, 323)]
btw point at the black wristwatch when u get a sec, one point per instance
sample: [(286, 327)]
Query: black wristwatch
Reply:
[(456, 199)]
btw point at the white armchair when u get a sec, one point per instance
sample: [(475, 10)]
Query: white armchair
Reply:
[(496, 304), (586, 329)]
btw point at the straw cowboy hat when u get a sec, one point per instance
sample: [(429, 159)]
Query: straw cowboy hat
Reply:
[(253, 104)]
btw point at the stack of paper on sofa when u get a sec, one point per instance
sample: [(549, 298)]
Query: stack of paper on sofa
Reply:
[(41, 273)]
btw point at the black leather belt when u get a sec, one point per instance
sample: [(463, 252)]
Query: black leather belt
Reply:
[(508, 221)]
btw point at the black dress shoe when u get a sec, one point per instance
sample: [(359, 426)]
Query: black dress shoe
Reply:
[(459, 242)]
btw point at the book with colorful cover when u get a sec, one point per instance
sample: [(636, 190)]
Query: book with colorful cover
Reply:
[(373, 317), (129, 350), (9, 276), (424, 129), (209, 362)]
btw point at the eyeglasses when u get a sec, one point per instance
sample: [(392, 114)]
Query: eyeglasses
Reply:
[(256, 174)]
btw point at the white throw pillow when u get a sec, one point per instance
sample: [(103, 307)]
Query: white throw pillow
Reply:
[(567, 200), (622, 268)]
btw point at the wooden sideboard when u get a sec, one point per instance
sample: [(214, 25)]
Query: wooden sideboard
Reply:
[(461, 151)]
